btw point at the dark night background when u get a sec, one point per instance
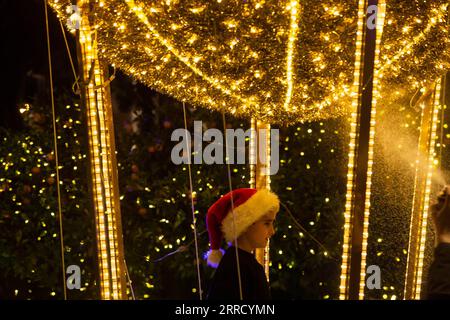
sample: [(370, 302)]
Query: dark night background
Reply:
[(24, 52)]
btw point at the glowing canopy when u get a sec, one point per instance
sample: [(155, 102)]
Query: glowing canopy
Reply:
[(278, 61)]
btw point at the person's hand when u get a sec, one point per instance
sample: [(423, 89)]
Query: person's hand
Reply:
[(440, 213)]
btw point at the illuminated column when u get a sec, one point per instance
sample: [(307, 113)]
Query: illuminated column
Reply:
[(260, 173), (360, 162), (260, 162), (104, 182), (430, 105)]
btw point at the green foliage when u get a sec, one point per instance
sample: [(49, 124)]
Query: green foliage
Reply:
[(156, 205), (157, 215), (30, 246), (311, 183)]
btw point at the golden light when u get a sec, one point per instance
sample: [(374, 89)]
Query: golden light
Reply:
[(376, 96), (422, 189), (103, 166), (350, 214), (401, 57), (271, 61), (259, 59), (260, 173), (345, 265)]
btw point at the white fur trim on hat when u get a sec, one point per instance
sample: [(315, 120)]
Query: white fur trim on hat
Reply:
[(261, 203)]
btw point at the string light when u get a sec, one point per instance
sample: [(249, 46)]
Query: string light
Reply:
[(264, 62), (345, 266), (259, 156), (290, 51), (301, 101), (403, 56), (106, 208), (418, 228), (376, 96), (32, 192)]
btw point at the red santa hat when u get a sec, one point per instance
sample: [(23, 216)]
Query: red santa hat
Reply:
[(249, 206)]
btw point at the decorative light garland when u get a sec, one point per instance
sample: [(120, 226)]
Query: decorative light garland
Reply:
[(260, 174), (422, 190), (293, 7), (402, 56), (376, 96), (104, 181), (431, 168), (345, 265), (257, 91), (232, 57)]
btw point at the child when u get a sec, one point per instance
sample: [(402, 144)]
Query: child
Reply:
[(251, 228)]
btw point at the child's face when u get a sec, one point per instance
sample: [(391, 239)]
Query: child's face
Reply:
[(260, 232)]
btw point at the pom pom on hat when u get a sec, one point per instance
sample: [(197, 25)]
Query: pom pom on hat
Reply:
[(213, 257), (249, 206)]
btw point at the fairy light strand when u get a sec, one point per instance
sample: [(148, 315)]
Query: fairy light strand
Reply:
[(111, 272), (345, 266), (376, 96), (430, 169)]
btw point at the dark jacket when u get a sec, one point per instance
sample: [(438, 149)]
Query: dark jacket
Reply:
[(439, 274), (225, 285)]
